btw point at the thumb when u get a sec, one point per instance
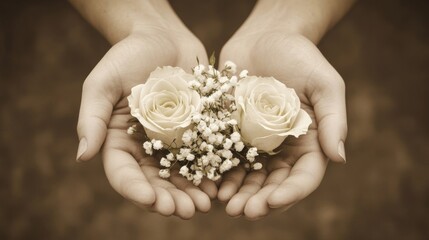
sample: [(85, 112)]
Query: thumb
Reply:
[(99, 94), (330, 109)]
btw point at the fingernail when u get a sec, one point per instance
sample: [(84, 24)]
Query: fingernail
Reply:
[(83, 145), (342, 151)]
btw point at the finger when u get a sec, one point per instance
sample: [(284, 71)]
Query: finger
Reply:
[(99, 94), (304, 178), (230, 184), (330, 109), (251, 185), (200, 199), (126, 177), (185, 208), (164, 203), (257, 206), (209, 187)]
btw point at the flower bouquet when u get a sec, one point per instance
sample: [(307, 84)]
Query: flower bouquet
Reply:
[(210, 121)]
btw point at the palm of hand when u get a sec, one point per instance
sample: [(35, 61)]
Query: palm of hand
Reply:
[(298, 170), (133, 174)]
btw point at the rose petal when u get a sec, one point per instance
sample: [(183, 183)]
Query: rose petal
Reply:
[(268, 143), (166, 72), (301, 124)]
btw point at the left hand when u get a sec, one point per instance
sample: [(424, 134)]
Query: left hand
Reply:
[(298, 170), (104, 115)]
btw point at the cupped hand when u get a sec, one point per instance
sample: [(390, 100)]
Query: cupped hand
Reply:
[(298, 170), (104, 116)]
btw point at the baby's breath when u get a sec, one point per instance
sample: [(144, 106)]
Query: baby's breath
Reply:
[(212, 145)]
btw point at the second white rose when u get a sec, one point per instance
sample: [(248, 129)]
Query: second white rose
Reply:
[(164, 104), (268, 112)]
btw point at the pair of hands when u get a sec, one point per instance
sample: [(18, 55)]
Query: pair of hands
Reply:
[(284, 180)]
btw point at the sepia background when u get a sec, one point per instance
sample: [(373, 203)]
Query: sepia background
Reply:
[(381, 48)]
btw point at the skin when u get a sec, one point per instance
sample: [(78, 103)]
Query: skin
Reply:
[(284, 46), (146, 33)]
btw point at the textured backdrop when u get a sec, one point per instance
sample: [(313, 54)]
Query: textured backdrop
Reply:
[(381, 48)]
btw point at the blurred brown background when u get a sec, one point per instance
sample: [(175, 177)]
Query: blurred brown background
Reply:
[(381, 48)]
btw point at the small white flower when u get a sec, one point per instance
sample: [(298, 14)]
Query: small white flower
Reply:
[(233, 107), (196, 182), (257, 166), (223, 79), (184, 170), (232, 68), (190, 157), (222, 125), (220, 115), (131, 130), (198, 175), (149, 151), (251, 154), (239, 146), (210, 100), (209, 148), (201, 126), (210, 83), (212, 138), (225, 88), (164, 162), (197, 178), (235, 162), (198, 70), (180, 157), (205, 160), (185, 152), (148, 147), (187, 136), (243, 74), (233, 81), (170, 157), (219, 138), (215, 160), (211, 173), (232, 122), (214, 127), (196, 118), (164, 173), (194, 84), (216, 95), (157, 145), (203, 146), (194, 135), (215, 73), (235, 137), (207, 132), (216, 177), (227, 144), (225, 166), (227, 154)]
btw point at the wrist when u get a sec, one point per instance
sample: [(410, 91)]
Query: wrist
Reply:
[(311, 18), (286, 17), (116, 20)]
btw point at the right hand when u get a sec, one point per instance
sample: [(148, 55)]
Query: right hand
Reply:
[(104, 113), (291, 176)]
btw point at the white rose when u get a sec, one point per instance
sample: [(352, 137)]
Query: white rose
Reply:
[(164, 104), (268, 112)]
